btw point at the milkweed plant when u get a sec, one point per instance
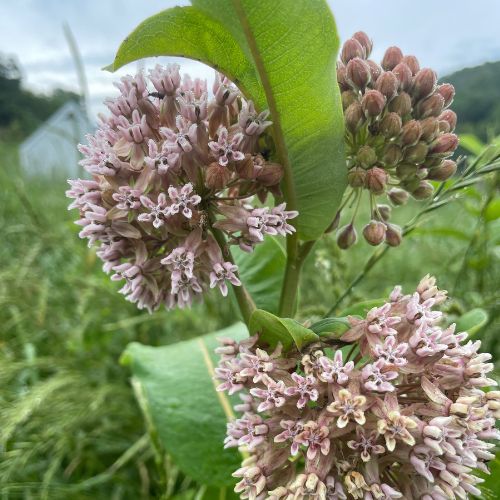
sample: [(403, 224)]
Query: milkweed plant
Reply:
[(190, 187)]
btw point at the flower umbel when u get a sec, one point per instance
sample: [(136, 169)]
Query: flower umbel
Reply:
[(396, 421)]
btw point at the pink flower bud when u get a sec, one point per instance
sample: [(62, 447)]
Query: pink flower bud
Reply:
[(392, 57), (412, 63), (447, 90), (450, 117), (217, 176), (346, 236), (404, 75), (245, 167), (392, 155), (358, 73), (384, 211), (398, 196), (443, 171), (376, 180), (374, 232), (373, 103), (424, 83), (431, 106), (351, 49), (354, 117), (393, 235), (348, 97), (390, 126), (366, 156), (411, 132), (375, 70), (424, 191), (271, 174), (446, 143), (416, 154), (356, 177), (341, 77), (365, 42), (387, 84), (430, 129), (401, 104)]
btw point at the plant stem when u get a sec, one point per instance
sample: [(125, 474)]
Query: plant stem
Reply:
[(244, 299), (295, 259)]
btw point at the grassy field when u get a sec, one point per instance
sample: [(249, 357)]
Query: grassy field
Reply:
[(69, 424)]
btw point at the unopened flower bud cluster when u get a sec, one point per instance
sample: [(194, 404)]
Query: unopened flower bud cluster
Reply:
[(399, 133), (168, 165), (399, 412)]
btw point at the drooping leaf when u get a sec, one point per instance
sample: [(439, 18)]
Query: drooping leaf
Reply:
[(188, 32), (189, 415), (273, 330), (262, 273), (472, 321), (331, 327), (361, 308)]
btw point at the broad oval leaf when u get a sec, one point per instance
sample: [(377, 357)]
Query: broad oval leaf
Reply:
[(189, 32), (188, 414), (472, 321), (262, 273), (331, 327), (294, 46), (273, 330)]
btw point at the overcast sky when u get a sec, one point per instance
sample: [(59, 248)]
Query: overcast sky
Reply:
[(444, 34)]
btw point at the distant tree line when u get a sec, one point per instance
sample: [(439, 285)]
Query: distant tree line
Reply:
[(22, 111), (477, 100)]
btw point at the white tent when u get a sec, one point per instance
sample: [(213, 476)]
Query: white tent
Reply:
[(52, 149)]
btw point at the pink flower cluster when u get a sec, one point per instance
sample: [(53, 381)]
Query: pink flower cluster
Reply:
[(169, 167), (398, 412), (399, 133)]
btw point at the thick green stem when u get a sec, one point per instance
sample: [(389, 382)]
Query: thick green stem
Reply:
[(244, 299), (295, 259)]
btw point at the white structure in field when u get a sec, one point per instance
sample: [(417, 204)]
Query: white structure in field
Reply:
[(52, 149)]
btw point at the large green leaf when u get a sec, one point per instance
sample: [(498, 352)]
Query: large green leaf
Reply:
[(188, 32), (294, 46), (262, 273), (332, 328), (273, 330), (361, 308), (188, 414)]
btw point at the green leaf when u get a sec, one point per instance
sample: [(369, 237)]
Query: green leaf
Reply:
[(189, 415), (447, 232), (472, 321), (262, 273), (294, 46), (188, 32), (331, 327), (361, 308), (492, 211), (273, 330), (471, 143)]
